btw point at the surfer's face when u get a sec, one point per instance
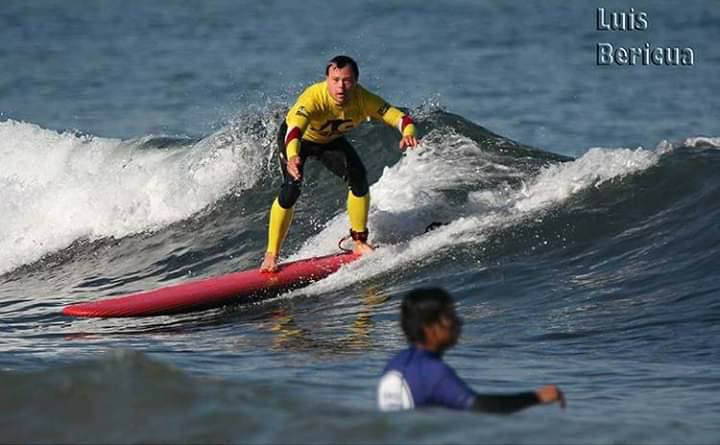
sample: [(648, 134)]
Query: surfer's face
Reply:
[(453, 326), (444, 333), (340, 82)]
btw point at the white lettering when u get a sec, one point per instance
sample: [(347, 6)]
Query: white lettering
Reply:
[(607, 54), (604, 53)]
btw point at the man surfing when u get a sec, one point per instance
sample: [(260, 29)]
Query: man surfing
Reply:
[(314, 128)]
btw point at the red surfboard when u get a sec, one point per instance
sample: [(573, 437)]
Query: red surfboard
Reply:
[(207, 293)]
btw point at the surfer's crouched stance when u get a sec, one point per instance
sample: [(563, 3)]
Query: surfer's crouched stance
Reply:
[(418, 377), (314, 128)]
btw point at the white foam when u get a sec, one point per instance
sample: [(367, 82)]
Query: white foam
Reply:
[(410, 184), (409, 195), (700, 142), (61, 187), (558, 182)]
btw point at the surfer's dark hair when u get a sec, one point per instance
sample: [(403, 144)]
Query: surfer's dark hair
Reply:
[(422, 307), (341, 62)]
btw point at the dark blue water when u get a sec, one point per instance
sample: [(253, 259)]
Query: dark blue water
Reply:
[(136, 143)]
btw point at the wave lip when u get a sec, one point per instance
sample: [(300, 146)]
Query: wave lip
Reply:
[(598, 165)]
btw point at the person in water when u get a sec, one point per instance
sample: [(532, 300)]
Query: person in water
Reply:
[(417, 376), (314, 128)]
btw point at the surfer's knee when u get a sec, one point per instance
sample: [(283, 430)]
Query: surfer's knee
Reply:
[(357, 177), (289, 194), (360, 189), (358, 183)]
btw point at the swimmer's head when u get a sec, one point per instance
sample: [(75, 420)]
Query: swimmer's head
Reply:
[(429, 320)]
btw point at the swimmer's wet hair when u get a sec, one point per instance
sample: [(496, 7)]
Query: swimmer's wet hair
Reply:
[(422, 307), (341, 62)]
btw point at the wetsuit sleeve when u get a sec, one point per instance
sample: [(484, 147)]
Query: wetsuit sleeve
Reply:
[(378, 109), (504, 403), (298, 119), (452, 392)]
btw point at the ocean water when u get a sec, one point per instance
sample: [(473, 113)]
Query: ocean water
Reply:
[(581, 202)]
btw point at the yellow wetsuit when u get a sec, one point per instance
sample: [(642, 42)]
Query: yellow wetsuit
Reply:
[(318, 120)]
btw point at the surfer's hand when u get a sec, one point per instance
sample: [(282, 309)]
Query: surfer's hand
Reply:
[(293, 167), (408, 142), (550, 394)]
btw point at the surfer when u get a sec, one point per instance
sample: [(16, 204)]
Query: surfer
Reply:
[(314, 128), (418, 377)]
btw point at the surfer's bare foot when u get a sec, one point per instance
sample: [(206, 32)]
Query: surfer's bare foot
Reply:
[(269, 264), (362, 248)]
